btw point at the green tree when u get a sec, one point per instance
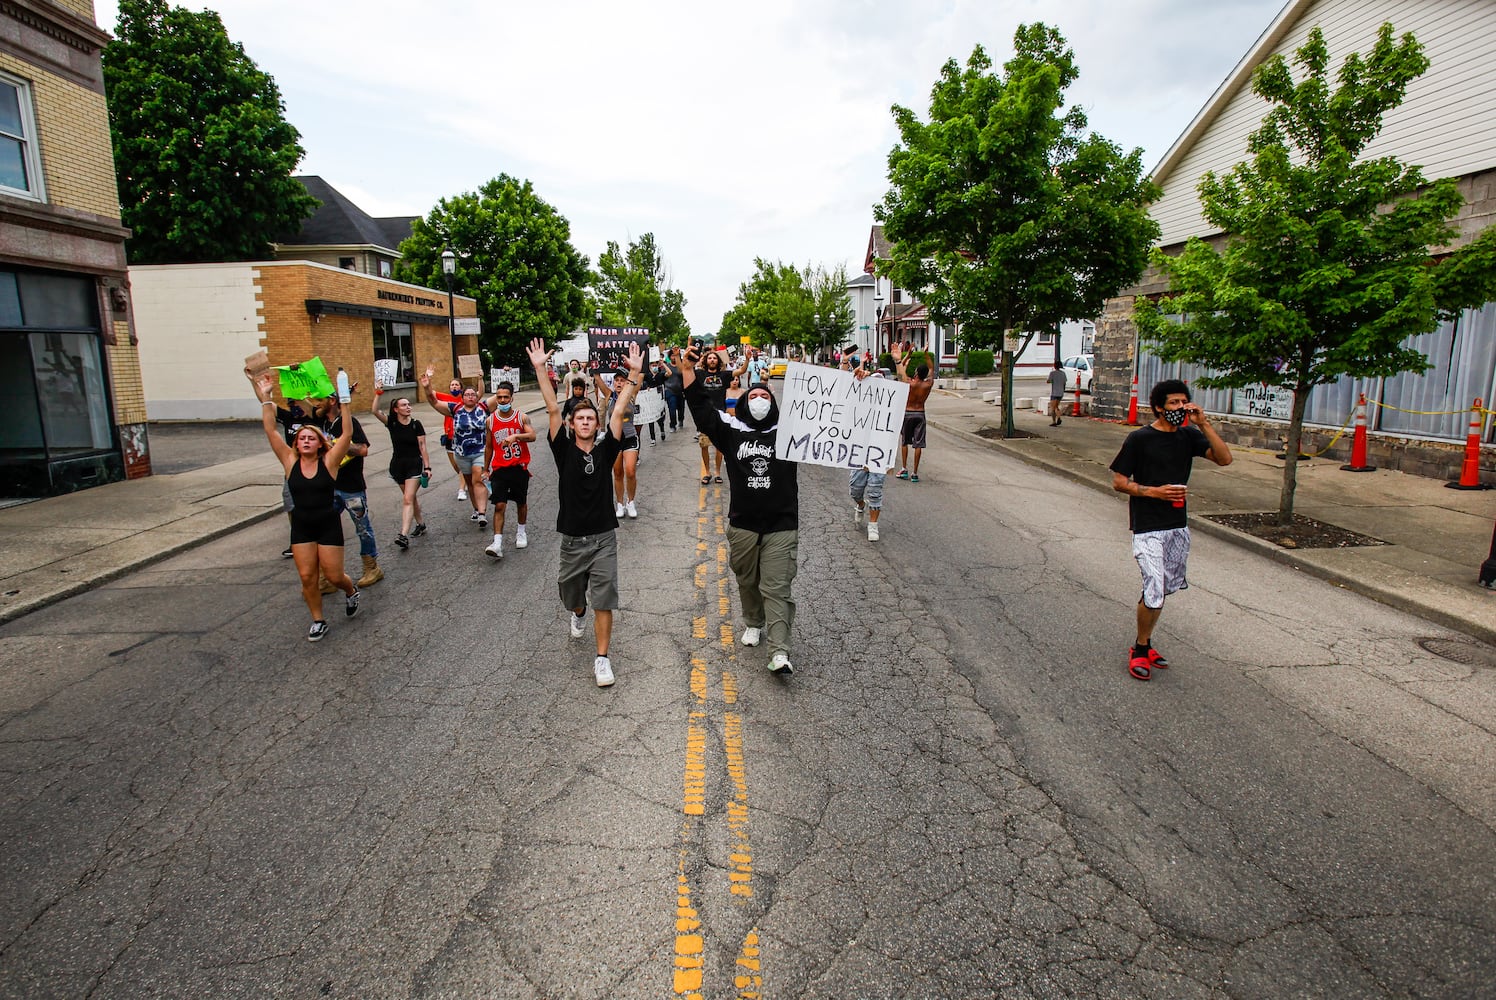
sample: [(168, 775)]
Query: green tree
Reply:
[(775, 307), (1005, 214), (835, 320), (632, 288), (1326, 269), (202, 150), (514, 255)]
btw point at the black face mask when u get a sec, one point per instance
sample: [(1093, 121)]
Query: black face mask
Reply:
[(1175, 418)]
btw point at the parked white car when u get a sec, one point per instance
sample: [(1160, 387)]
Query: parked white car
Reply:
[(1080, 365)]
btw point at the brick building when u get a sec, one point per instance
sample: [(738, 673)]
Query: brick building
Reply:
[(1446, 125), (68, 362), (200, 321)]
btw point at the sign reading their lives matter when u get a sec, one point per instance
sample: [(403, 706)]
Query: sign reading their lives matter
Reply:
[(608, 347), (829, 417)]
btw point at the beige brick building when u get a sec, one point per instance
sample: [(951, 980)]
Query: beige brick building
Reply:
[(68, 354)]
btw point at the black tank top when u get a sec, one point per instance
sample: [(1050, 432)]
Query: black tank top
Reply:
[(314, 495)]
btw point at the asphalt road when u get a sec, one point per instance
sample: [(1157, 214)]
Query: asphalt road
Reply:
[(960, 793)]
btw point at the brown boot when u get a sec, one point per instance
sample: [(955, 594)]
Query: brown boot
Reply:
[(372, 573), (325, 585)]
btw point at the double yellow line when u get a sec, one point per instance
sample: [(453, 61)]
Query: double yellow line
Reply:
[(711, 574)]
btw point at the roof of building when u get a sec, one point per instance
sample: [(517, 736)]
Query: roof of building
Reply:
[(878, 248), (339, 222), (862, 280)]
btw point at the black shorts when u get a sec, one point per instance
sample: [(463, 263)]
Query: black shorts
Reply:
[(630, 444), (914, 429), (400, 471), (323, 527), (509, 483)]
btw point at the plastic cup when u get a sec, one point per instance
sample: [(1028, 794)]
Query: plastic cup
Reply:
[(1179, 503)]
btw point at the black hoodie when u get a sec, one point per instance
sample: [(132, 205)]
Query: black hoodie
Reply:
[(765, 495)]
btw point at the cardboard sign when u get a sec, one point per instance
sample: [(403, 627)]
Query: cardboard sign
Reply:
[(386, 371), (608, 347), (469, 366), (257, 364), (651, 406), (1273, 401), (829, 417)]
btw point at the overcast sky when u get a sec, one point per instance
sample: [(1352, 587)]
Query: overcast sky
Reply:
[(729, 131)]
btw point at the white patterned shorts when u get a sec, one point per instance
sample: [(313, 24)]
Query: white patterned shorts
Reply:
[(1161, 556)]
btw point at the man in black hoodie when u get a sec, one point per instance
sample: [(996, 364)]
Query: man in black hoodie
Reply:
[(763, 513)]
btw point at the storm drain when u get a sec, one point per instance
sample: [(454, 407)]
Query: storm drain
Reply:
[(1471, 654)]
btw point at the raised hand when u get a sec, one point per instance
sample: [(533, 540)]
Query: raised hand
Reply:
[(538, 354)]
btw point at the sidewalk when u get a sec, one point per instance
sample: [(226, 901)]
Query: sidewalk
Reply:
[(1437, 538)]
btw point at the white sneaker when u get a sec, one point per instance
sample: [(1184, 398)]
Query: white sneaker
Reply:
[(751, 636), (520, 541), (602, 669), (872, 531), (631, 509), (780, 664), (618, 510), (576, 626), (462, 494), (859, 514), (496, 549)]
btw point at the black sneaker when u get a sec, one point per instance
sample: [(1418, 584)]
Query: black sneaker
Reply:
[(418, 530), (286, 553), (350, 603), (316, 632), (402, 541)]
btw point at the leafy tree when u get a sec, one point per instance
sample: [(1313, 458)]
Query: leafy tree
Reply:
[(202, 149), (833, 309), (774, 307), (1326, 269), (514, 255), (632, 288), (1005, 215)]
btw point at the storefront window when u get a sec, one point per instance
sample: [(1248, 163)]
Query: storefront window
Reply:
[(393, 340), (70, 384)]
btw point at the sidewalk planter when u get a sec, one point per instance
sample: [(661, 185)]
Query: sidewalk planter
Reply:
[(963, 383)]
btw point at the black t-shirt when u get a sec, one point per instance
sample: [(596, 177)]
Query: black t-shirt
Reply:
[(351, 472), (1151, 457), (714, 384), (405, 442), (584, 487)]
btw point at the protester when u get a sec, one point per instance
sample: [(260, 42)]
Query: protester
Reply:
[(734, 393), (352, 492), (506, 456), (626, 464), (763, 509), (675, 400), (409, 463), (585, 519), (1153, 469), (1056, 393), (754, 365), (867, 487), (452, 395), (466, 421), (290, 418), (912, 434), (713, 381), (309, 465), (657, 376)]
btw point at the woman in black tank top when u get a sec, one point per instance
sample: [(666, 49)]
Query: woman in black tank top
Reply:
[(310, 464)]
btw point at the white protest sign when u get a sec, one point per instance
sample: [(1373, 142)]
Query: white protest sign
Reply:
[(387, 371), (1274, 401), (651, 406), (829, 417)]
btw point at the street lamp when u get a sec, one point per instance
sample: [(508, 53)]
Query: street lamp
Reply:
[(597, 318), (449, 268), (817, 318), (878, 325)]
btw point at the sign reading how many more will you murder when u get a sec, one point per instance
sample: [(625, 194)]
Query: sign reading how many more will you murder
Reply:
[(830, 417)]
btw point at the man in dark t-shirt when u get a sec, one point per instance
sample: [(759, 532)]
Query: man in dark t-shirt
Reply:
[(1152, 469), (584, 503), (351, 492)]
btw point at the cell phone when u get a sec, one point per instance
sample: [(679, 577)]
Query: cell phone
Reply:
[(698, 343)]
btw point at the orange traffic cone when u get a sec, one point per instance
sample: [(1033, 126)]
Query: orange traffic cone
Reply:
[(1358, 443), (1470, 471), (1132, 403), (1075, 408)]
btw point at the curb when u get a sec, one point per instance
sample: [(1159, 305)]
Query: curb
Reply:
[(1436, 611), (24, 607)]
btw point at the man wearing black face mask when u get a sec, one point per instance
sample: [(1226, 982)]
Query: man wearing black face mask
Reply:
[(1152, 469), (763, 512)]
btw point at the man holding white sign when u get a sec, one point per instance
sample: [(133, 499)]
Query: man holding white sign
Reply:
[(763, 513)]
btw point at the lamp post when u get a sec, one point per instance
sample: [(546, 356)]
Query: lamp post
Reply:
[(449, 268), (878, 326)]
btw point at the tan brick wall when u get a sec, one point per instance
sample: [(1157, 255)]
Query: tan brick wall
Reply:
[(76, 152), (83, 8), (292, 335), (124, 372)]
